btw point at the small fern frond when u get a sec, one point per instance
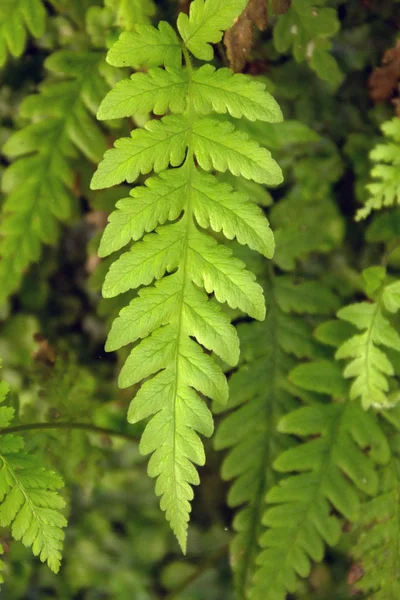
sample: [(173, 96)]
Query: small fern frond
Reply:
[(341, 445), (175, 319), (370, 366), (385, 190), (29, 502), (17, 17), (259, 397), (39, 182)]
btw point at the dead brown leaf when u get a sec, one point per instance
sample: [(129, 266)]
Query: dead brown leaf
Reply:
[(384, 80), (239, 39)]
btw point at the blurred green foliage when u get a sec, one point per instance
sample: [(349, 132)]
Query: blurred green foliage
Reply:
[(316, 58)]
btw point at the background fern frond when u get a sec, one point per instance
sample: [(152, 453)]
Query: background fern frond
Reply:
[(29, 502), (370, 365), (331, 468), (40, 182), (17, 18), (385, 190)]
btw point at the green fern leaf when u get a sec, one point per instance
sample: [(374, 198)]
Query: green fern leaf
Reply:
[(39, 183), (157, 91), (212, 90), (160, 143), (329, 470), (219, 146), (221, 91), (370, 366), (206, 23), (174, 320), (161, 199), (217, 206), (16, 16), (29, 502), (147, 46)]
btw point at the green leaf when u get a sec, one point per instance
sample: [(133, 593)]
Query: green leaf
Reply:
[(157, 91), (324, 377), (217, 206), (159, 144), (219, 146), (177, 325), (15, 17), (39, 183), (308, 296), (370, 366), (328, 470), (221, 91), (147, 260), (385, 190), (147, 46), (212, 266), (161, 200), (206, 21)]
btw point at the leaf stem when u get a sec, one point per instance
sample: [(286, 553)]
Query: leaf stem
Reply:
[(88, 427)]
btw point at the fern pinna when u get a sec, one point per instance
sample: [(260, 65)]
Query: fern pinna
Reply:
[(174, 321)]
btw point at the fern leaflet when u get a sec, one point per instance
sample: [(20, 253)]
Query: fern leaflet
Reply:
[(175, 319)]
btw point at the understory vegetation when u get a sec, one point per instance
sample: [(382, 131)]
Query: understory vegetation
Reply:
[(200, 299)]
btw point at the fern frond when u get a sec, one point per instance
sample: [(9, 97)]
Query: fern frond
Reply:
[(259, 397), (385, 190), (174, 321), (39, 183), (17, 17), (29, 502), (370, 365), (378, 549), (329, 470)]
